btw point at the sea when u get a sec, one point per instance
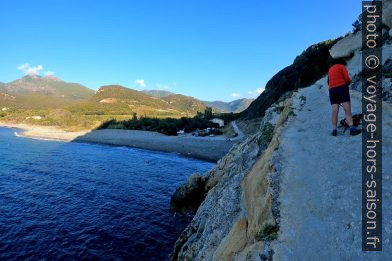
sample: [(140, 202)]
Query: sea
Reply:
[(78, 201)]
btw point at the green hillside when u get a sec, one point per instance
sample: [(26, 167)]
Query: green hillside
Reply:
[(73, 106), (6, 100), (125, 100), (158, 93), (45, 92), (233, 106), (186, 104)]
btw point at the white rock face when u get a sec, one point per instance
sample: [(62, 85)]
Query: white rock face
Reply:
[(347, 46), (353, 42), (387, 13)]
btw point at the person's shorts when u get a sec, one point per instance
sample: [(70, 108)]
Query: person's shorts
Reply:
[(339, 94)]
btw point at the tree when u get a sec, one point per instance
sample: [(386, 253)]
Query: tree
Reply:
[(134, 116), (208, 113), (357, 25)]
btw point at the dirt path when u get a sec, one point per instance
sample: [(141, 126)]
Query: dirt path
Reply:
[(238, 131), (321, 186)]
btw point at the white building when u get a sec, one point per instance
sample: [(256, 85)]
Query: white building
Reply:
[(220, 122)]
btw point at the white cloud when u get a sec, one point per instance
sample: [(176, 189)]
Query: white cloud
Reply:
[(30, 70), (140, 83), (235, 95), (255, 93)]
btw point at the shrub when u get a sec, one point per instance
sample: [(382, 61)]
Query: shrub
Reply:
[(267, 133), (357, 25), (269, 232), (167, 126)]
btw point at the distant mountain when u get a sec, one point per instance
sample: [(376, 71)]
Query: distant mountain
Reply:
[(43, 92), (233, 106), (158, 93), (189, 103), (48, 85)]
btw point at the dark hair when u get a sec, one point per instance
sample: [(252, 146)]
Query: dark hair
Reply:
[(341, 61)]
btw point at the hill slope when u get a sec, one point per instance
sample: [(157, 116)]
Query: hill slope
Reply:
[(233, 106), (187, 104), (45, 92), (158, 93), (116, 99), (190, 103), (48, 85)]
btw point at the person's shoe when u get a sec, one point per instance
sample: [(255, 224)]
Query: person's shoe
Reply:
[(354, 131), (334, 132)]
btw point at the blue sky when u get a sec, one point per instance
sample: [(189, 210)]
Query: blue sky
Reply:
[(213, 50)]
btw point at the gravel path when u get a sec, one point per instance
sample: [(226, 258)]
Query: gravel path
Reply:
[(237, 130), (320, 197)]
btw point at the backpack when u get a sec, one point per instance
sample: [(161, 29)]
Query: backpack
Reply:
[(356, 121)]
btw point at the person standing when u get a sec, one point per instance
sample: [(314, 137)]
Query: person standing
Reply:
[(338, 81)]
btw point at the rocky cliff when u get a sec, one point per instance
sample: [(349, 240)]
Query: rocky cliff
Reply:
[(290, 191)]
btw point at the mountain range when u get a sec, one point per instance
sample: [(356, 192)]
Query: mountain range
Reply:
[(233, 106), (33, 91)]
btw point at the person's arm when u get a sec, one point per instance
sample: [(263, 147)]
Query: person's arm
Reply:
[(346, 76)]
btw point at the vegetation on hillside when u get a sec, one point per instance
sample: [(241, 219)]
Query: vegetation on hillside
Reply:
[(167, 126), (52, 102)]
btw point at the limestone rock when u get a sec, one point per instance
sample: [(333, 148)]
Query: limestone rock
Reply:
[(387, 13), (219, 229), (347, 46)]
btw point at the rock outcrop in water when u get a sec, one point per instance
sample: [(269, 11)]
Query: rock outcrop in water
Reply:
[(188, 197), (246, 213)]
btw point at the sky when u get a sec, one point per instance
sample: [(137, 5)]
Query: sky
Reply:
[(209, 49)]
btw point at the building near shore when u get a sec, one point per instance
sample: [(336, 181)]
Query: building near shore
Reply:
[(220, 122)]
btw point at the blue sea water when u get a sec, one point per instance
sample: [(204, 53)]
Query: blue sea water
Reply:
[(82, 201)]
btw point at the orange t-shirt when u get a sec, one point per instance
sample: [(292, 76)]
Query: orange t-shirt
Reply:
[(338, 76)]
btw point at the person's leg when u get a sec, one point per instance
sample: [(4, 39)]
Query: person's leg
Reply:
[(335, 112), (347, 110), (349, 119)]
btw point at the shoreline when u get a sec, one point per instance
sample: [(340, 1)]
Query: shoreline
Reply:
[(209, 149)]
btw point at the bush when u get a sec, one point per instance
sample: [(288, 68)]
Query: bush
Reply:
[(168, 126), (269, 232), (266, 134), (357, 26)]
